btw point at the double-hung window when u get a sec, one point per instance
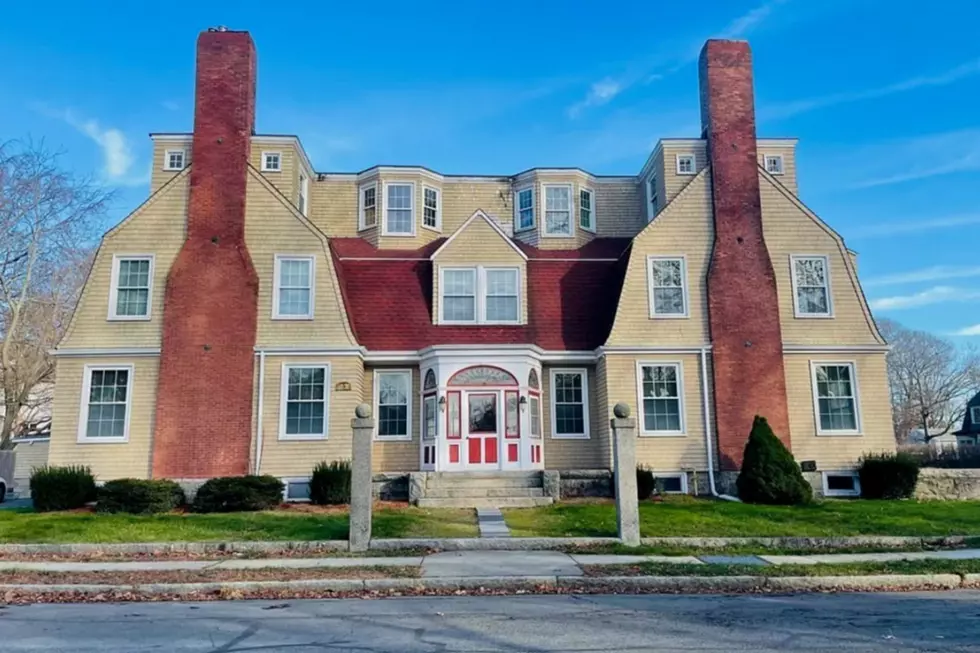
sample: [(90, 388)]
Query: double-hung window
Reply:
[(667, 280), (653, 198), (393, 396), (458, 295), (835, 399), (431, 208), (399, 209), (173, 160), (811, 286), (661, 391), (271, 162), (106, 397), (304, 189), (524, 209), (305, 400), (586, 209), (569, 403), (480, 295), (686, 164), (368, 206), (557, 210), (131, 287), (293, 291), (501, 300)]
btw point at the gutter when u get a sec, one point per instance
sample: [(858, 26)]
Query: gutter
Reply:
[(708, 443)]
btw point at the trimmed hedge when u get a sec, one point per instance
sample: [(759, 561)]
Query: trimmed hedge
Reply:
[(62, 488), (645, 483), (769, 474), (140, 496), (330, 483), (238, 494), (888, 475)]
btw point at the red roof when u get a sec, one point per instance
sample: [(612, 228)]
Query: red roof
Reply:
[(572, 297)]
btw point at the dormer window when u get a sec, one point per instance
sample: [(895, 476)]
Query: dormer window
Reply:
[(480, 295), (367, 211), (524, 209), (653, 199), (586, 209), (557, 210), (431, 208), (271, 162), (686, 164), (173, 160), (774, 164), (399, 209), (304, 189)]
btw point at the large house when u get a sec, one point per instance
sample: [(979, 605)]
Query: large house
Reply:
[(233, 321)]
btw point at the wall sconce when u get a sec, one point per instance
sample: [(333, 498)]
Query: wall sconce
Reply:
[(523, 403), (442, 404)]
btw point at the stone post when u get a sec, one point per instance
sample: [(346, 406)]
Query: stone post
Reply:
[(624, 475), (360, 479)]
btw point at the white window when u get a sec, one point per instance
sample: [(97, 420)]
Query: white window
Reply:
[(841, 484), (272, 161), (975, 415), (774, 164), (296, 490), (534, 408), (586, 209), (393, 391), (431, 207), (304, 402), (399, 209), (670, 482), (569, 408), (686, 164), (811, 286), (667, 280), (557, 210), (106, 397), (480, 295), (304, 189), (524, 209), (661, 387), (653, 198), (835, 399), (173, 159), (293, 289), (368, 207), (131, 285)]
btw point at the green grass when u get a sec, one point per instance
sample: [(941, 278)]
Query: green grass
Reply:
[(848, 569), (690, 517), (70, 527)]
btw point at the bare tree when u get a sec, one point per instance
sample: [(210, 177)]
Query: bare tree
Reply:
[(930, 380), (46, 219)]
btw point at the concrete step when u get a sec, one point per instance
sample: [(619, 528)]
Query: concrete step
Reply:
[(482, 492), (472, 502), (484, 480)]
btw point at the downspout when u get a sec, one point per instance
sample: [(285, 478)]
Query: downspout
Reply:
[(258, 413), (708, 442)]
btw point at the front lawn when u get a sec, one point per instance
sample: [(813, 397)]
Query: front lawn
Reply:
[(70, 527), (690, 517)]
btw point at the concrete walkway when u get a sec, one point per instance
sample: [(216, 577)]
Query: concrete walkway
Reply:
[(491, 522)]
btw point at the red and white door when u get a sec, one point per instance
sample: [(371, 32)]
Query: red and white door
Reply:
[(482, 430)]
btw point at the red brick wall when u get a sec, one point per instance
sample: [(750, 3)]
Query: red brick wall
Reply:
[(743, 308), (204, 401)]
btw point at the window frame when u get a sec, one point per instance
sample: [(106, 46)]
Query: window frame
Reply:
[(694, 163), (277, 277), (410, 400), (442, 294), (479, 294), (684, 287), (82, 435), (681, 406), (292, 480), (117, 260), (284, 401), (678, 475), (856, 397), (304, 193), (584, 372), (517, 210), (793, 258), (413, 209), (827, 492), (781, 165), (166, 159), (438, 192), (483, 295), (975, 415), (571, 209), (651, 193), (265, 160), (585, 190), (361, 208)]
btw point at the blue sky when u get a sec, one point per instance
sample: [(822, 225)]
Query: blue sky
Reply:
[(881, 94)]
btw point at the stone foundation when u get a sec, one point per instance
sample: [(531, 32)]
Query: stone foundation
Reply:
[(390, 486), (948, 484), (575, 483)]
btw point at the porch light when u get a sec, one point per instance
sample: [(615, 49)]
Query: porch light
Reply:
[(442, 403), (523, 403)]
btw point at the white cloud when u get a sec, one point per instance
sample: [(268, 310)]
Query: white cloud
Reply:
[(968, 331), (601, 92), (935, 273), (934, 295), (117, 156), (918, 157), (902, 227), (170, 105), (746, 22)]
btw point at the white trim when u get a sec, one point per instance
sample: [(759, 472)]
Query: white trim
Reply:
[(265, 163), (286, 480), (479, 294), (172, 138), (277, 273), (814, 364), (306, 350), (774, 157), (684, 287), (392, 357), (493, 225), (82, 436), (259, 415), (572, 218), (385, 185), (166, 159), (113, 352), (117, 260), (361, 224), (827, 492), (517, 210), (686, 155), (284, 396), (304, 192), (793, 258), (778, 142), (377, 405), (438, 192), (593, 222), (606, 350), (679, 366), (975, 416), (836, 349), (585, 402), (681, 475), (260, 140)]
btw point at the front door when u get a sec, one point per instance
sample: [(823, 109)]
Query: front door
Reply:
[(483, 430)]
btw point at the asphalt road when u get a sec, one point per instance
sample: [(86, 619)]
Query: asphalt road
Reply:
[(815, 622)]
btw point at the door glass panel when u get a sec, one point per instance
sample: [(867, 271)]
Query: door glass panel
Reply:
[(483, 413)]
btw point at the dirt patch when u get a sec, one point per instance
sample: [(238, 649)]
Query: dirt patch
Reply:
[(212, 555), (201, 576)]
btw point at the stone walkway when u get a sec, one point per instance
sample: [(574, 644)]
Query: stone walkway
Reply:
[(491, 522)]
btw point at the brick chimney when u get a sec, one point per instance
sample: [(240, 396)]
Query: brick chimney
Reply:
[(204, 397), (743, 309)]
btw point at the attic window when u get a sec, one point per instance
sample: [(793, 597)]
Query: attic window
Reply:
[(975, 415), (271, 162), (368, 207), (399, 209), (774, 164), (557, 210), (653, 200), (586, 209), (524, 209), (685, 164), (173, 160)]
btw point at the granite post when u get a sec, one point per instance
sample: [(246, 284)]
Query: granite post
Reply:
[(624, 475), (361, 479)]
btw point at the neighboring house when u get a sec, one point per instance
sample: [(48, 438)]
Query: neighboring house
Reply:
[(969, 435), (233, 322)]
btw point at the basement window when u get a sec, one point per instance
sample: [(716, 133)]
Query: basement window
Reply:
[(296, 490), (173, 160), (271, 162), (673, 483), (774, 164), (841, 484)]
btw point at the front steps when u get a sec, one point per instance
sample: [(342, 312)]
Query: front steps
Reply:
[(482, 490)]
